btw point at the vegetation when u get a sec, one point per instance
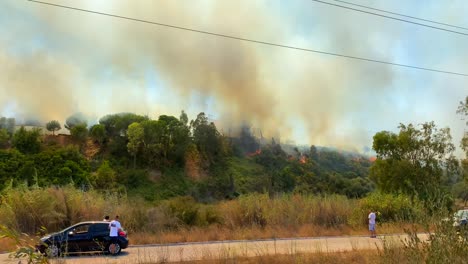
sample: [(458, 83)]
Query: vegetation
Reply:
[(186, 176), (416, 162), (4, 138), (25, 247), (170, 157), (27, 142), (53, 126), (79, 133), (27, 209)]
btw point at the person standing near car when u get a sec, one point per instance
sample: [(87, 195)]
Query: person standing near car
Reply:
[(371, 218), (114, 228), (106, 218)]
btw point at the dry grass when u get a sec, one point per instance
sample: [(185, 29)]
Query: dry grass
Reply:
[(358, 257), (255, 216)]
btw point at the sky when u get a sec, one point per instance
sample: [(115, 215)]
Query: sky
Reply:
[(55, 62)]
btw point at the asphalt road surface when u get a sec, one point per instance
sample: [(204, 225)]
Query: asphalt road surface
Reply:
[(228, 249)]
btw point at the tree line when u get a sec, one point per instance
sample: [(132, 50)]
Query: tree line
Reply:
[(172, 156)]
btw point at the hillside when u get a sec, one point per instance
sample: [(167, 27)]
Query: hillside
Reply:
[(159, 159)]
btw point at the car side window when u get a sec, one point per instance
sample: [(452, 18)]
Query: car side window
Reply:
[(81, 229)]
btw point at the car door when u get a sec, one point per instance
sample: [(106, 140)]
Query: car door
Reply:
[(99, 236), (79, 238)]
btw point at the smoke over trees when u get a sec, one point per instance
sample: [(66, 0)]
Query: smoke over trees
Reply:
[(148, 70)]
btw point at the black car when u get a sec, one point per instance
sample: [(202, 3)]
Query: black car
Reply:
[(82, 237)]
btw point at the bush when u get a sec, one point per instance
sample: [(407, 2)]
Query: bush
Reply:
[(27, 141), (185, 209), (445, 245), (389, 207), (105, 178)]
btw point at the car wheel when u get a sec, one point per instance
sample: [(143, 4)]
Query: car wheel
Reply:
[(114, 248), (53, 251)]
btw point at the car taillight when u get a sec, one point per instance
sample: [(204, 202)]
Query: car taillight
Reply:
[(122, 234)]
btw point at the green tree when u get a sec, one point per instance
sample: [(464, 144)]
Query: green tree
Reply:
[(116, 125), (27, 173), (53, 126), (152, 142), (116, 131), (207, 139), (4, 138), (105, 176), (413, 161), (175, 137), (10, 163), (79, 133), (27, 141), (135, 135), (165, 141), (273, 159), (61, 166), (98, 133)]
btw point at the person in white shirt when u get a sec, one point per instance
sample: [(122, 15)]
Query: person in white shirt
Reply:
[(114, 227), (371, 218), (106, 218)]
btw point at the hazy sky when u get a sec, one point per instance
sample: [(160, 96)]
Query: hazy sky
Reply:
[(54, 62)]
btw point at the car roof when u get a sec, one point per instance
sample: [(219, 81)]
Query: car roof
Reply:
[(94, 222), (90, 222)]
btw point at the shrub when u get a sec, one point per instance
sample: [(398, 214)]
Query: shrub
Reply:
[(389, 207), (104, 178), (185, 209)]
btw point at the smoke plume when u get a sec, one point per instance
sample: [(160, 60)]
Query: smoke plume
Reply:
[(55, 62)]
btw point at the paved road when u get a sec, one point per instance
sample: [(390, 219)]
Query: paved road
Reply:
[(224, 249)]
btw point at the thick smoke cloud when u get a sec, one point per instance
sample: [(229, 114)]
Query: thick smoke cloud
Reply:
[(59, 61)]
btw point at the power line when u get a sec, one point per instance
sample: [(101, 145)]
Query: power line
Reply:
[(403, 15), (393, 18), (253, 41)]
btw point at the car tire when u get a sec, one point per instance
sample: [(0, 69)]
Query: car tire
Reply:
[(53, 251), (114, 248)]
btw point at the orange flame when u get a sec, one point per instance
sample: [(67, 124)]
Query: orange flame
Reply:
[(257, 152), (302, 159)]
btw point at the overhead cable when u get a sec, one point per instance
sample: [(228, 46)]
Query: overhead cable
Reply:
[(402, 15), (393, 18), (252, 40)]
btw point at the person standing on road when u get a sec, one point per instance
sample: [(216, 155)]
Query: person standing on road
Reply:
[(371, 218), (114, 227)]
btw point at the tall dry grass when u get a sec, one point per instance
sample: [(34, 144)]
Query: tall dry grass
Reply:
[(29, 209), (286, 210), (182, 219)]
